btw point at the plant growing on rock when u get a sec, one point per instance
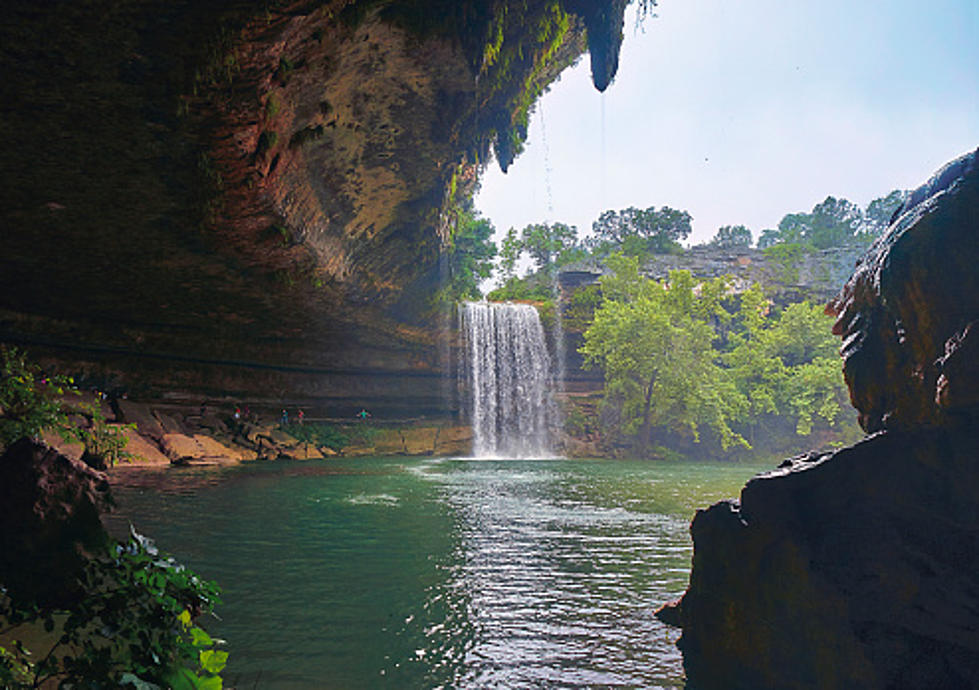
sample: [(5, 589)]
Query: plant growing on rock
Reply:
[(28, 400), (105, 444)]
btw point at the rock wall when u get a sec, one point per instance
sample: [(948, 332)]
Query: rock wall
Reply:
[(815, 274), (860, 568), (251, 196)]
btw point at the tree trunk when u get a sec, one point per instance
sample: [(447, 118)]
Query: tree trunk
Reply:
[(644, 431)]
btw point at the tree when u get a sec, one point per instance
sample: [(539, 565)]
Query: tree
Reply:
[(470, 256), (786, 363), (548, 244), (769, 238), (635, 232), (833, 223), (729, 236), (877, 215), (654, 343), (510, 250)]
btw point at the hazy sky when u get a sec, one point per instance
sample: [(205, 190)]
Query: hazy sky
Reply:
[(740, 111)]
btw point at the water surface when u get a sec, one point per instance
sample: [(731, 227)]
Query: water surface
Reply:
[(432, 573)]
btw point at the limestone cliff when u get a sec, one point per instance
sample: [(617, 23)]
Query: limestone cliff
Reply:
[(858, 569), (249, 198)]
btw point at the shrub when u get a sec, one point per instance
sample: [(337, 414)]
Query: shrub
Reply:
[(133, 627)]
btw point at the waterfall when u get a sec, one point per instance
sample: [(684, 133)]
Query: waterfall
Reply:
[(507, 371)]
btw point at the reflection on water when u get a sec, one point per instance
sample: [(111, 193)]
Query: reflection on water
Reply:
[(437, 573)]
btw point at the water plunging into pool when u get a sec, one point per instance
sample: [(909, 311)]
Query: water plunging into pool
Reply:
[(509, 378)]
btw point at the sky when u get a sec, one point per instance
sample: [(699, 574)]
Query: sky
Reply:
[(740, 111)]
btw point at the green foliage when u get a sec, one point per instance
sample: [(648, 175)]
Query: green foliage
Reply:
[(31, 402), (510, 250), (535, 288), (637, 232), (728, 236), (678, 358), (28, 400), (786, 363), (470, 256), (366, 434), (101, 440), (654, 343), (877, 215), (834, 223), (319, 435), (580, 310), (549, 244), (785, 258), (133, 627)]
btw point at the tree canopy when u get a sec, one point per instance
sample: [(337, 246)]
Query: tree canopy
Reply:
[(681, 356), (470, 255), (834, 222), (728, 236), (636, 231), (654, 343)]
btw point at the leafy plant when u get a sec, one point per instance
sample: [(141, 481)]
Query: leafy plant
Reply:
[(29, 401), (104, 442), (133, 627), (319, 435)]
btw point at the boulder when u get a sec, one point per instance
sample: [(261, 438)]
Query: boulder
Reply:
[(909, 300), (197, 449), (49, 521), (851, 570), (142, 416), (169, 423)]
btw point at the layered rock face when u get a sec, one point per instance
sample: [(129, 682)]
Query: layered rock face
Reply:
[(252, 198), (860, 568)]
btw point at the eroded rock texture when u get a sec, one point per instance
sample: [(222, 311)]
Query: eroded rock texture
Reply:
[(860, 568), (250, 198), (49, 521), (904, 316)]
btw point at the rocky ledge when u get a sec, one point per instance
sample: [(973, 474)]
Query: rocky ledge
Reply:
[(860, 568)]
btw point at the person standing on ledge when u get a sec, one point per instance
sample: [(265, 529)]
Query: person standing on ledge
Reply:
[(285, 417), (363, 415)]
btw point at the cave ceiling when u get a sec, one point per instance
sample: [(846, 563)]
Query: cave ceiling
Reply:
[(258, 181)]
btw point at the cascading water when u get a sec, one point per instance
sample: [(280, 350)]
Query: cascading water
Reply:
[(509, 377)]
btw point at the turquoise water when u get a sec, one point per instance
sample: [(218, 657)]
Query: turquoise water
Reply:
[(454, 573)]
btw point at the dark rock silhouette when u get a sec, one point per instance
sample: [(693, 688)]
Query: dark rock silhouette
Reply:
[(906, 310), (49, 521)]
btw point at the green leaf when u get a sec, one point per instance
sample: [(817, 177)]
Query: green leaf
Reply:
[(213, 683), (184, 679), (200, 637), (213, 660)]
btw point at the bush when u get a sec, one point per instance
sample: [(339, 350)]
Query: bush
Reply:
[(319, 435), (132, 627), (28, 400)]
